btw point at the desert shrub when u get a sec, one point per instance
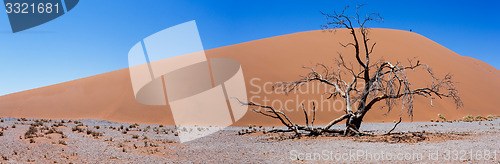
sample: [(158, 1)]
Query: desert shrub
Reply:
[(58, 124), (94, 133), (76, 128), (32, 140), (1, 133), (135, 136), (441, 117), (479, 118), (37, 123), (134, 125), (97, 127), (31, 132), (161, 126), (468, 118), (62, 142), (13, 126)]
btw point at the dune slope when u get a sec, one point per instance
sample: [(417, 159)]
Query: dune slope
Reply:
[(109, 96)]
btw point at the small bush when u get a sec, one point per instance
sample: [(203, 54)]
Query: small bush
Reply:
[(31, 132), (442, 117), (479, 118), (76, 128), (468, 118), (134, 125), (94, 133), (58, 124), (62, 142)]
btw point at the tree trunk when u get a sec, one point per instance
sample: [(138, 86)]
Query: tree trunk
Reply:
[(355, 122)]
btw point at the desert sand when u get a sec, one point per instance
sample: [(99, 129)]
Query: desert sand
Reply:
[(100, 141), (109, 96)]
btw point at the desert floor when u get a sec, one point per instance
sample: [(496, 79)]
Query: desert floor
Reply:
[(98, 141)]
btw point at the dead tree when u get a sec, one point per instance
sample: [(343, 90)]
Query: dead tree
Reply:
[(384, 81)]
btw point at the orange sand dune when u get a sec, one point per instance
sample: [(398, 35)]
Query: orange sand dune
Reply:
[(109, 96)]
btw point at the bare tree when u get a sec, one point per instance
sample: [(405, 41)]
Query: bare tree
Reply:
[(383, 81)]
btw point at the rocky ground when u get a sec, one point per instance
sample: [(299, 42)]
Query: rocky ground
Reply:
[(98, 141)]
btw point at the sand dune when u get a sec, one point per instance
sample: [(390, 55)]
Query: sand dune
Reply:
[(109, 96)]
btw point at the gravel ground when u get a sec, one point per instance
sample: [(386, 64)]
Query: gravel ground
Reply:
[(474, 142)]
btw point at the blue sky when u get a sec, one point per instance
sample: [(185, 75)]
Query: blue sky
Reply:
[(96, 35)]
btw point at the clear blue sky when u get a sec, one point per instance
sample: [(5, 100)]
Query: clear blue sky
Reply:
[(96, 35)]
